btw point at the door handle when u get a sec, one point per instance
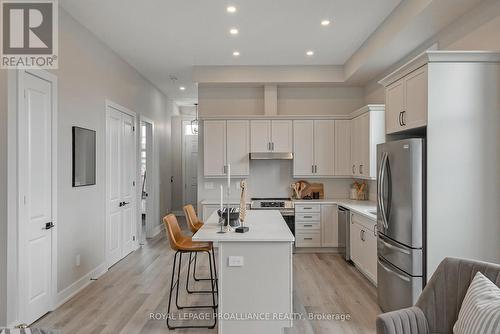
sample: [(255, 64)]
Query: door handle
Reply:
[(316, 169), (399, 118), (312, 169), (126, 203), (49, 225), (403, 118), (309, 225), (272, 146), (353, 167), (360, 169)]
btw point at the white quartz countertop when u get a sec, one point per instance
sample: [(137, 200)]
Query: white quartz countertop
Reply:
[(360, 207), (265, 226)]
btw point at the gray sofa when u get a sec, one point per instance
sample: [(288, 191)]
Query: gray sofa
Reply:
[(436, 310)]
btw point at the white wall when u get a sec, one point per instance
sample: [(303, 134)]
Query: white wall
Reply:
[(319, 100), (476, 30), (3, 196), (89, 73), (231, 100)]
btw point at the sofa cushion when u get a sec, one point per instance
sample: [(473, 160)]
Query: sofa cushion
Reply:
[(480, 310)]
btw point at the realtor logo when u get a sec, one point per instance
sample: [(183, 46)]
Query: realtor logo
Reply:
[(29, 34)]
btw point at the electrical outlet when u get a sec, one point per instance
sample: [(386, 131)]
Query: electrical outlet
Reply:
[(236, 261), (77, 260)]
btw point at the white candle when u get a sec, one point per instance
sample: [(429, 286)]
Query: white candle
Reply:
[(229, 176), (221, 196)]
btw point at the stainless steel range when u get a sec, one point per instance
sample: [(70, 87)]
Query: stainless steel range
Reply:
[(284, 205)]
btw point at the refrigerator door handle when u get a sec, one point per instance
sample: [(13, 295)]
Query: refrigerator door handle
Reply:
[(398, 249), (389, 270), (383, 164)]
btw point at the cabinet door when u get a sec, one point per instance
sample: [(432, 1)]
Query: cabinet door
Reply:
[(260, 136), (364, 145), (394, 106), (329, 226), (356, 246), (324, 148), (370, 254), (343, 148), (303, 147), (238, 138), (355, 141), (214, 147), (281, 136), (415, 114)]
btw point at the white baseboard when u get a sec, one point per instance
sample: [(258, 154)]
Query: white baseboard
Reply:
[(82, 283)]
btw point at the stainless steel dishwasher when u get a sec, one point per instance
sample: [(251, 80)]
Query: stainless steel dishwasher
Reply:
[(344, 216)]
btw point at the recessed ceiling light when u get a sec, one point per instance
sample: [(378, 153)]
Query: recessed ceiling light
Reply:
[(310, 53), (233, 31), (325, 23), (236, 53), (231, 9), (182, 88)]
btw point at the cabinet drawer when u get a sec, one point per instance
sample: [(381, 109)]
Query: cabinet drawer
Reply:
[(310, 239), (307, 217), (308, 208), (315, 226)]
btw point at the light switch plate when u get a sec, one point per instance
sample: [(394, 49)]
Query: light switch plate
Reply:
[(236, 261), (209, 185)]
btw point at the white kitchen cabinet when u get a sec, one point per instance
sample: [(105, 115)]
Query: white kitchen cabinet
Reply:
[(364, 245), (214, 148), (342, 144), (226, 142), (316, 225), (307, 225), (406, 102), (238, 146), (313, 148), (329, 226), (303, 147), (271, 136), (367, 131)]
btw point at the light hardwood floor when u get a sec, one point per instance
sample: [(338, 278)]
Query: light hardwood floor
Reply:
[(122, 300)]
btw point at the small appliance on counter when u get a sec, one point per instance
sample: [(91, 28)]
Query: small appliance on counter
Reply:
[(359, 191)]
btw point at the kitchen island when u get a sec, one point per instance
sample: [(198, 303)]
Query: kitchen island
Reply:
[(255, 273)]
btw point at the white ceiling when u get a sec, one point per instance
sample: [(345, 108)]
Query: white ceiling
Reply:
[(167, 37)]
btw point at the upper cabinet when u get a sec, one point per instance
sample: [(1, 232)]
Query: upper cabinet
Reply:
[(313, 148), (406, 102), (271, 136), (367, 131), (226, 142), (342, 149)]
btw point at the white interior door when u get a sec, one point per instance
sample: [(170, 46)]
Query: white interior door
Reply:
[(121, 171), (36, 234), (190, 165)]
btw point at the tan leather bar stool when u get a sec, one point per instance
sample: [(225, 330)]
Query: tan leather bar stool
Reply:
[(182, 245), (194, 224)]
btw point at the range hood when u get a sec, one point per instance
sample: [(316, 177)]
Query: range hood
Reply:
[(271, 156)]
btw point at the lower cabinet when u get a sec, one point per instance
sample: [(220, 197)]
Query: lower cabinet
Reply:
[(316, 225), (364, 245)]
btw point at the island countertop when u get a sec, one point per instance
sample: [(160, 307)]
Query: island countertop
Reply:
[(264, 225)]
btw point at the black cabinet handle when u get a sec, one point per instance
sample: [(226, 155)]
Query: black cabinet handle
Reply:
[(49, 225)]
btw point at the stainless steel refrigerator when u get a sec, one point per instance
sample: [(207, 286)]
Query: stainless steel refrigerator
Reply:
[(400, 222)]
